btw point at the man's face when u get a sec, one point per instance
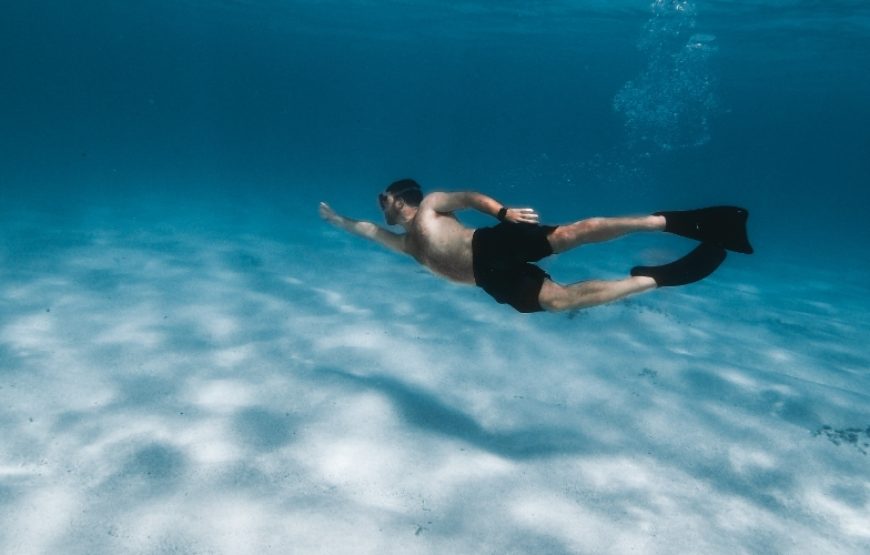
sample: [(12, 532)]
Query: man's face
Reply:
[(388, 207)]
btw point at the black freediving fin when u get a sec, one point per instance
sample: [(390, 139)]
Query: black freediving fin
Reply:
[(693, 267), (724, 226)]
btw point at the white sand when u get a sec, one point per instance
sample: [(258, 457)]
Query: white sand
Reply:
[(169, 391)]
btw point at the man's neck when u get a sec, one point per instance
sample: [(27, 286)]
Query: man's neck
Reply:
[(406, 217)]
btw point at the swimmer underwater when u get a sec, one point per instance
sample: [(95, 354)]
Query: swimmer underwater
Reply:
[(500, 259)]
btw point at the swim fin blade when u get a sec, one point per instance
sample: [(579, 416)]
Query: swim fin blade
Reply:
[(693, 267), (724, 226)]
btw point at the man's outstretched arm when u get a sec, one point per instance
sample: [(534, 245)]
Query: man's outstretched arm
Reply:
[(450, 202), (368, 230)]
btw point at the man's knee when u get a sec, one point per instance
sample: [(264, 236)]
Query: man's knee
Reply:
[(553, 297)]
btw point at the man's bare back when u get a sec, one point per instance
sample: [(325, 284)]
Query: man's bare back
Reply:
[(502, 261), (439, 241)]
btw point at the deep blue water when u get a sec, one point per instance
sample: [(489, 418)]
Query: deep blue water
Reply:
[(576, 108)]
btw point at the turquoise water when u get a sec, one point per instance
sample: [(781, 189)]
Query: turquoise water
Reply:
[(192, 362)]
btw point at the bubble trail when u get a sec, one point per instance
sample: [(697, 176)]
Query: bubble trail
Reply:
[(669, 104)]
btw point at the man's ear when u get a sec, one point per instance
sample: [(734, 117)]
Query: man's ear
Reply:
[(400, 203)]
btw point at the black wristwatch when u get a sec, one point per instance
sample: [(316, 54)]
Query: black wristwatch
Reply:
[(501, 214)]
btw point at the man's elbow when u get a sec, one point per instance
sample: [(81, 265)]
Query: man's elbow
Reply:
[(366, 229)]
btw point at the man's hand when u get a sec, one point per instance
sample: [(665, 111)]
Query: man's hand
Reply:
[(521, 215), (328, 214)]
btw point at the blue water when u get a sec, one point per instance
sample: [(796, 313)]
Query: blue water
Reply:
[(528, 103), (192, 361)]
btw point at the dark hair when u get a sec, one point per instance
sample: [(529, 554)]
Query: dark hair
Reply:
[(408, 190)]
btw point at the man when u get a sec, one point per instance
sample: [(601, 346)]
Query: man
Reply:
[(499, 259)]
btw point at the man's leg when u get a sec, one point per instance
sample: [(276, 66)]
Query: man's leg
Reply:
[(595, 230), (554, 297)]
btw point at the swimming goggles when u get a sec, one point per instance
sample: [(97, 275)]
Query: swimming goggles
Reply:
[(382, 197)]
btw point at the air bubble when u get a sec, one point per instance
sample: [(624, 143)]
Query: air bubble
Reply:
[(669, 104)]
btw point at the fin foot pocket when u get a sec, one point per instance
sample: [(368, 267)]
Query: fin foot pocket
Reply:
[(695, 266), (724, 226)]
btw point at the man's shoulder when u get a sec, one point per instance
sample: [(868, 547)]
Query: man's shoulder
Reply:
[(433, 196), (438, 200), (431, 201)]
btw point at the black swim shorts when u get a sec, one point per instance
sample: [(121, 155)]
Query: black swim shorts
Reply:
[(502, 256)]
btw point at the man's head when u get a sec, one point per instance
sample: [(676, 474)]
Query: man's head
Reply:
[(402, 193)]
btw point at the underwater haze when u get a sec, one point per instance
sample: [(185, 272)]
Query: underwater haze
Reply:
[(192, 361)]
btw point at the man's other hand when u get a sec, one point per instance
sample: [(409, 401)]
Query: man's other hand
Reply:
[(521, 215)]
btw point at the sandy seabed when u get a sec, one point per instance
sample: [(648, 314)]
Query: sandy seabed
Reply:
[(188, 391)]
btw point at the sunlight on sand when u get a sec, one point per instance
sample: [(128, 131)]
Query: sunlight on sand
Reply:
[(177, 393)]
